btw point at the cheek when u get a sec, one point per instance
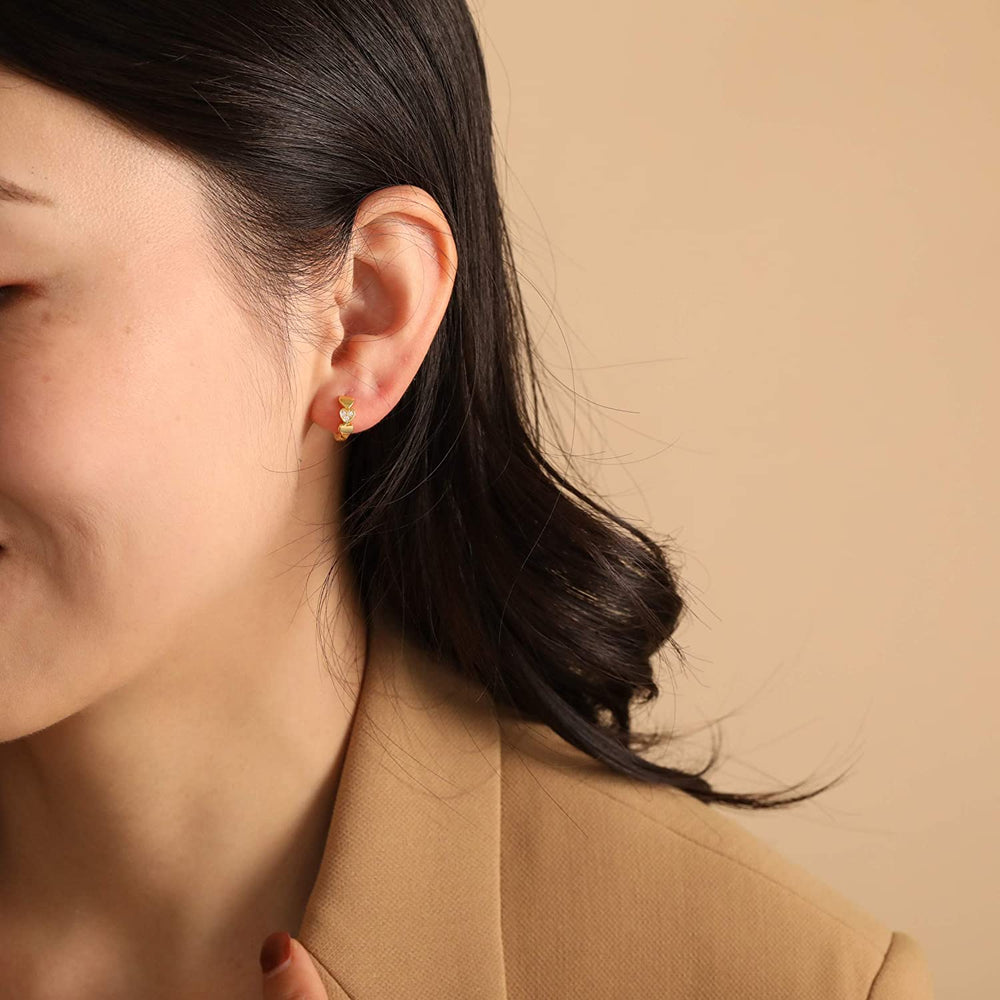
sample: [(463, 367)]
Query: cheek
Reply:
[(131, 490), (119, 435)]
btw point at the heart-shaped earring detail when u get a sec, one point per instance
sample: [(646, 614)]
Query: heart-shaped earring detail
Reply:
[(346, 416)]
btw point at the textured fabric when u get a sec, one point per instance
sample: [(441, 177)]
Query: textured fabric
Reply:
[(473, 855), (904, 972)]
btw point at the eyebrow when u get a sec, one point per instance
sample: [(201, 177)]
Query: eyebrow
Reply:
[(9, 191)]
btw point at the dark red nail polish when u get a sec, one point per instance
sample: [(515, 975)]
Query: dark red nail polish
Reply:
[(276, 949)]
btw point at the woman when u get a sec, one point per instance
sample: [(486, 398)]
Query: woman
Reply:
[(261, 339)]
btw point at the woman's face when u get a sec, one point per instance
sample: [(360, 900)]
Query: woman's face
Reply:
[(150, 490)]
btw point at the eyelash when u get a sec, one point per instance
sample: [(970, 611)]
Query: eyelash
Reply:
[(13, 289)]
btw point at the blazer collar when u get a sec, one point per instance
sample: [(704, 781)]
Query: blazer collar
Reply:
[(407, 899)]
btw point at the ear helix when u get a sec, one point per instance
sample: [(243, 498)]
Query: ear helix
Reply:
[(346, 415)]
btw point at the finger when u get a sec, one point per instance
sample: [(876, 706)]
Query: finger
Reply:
[(289, 973)]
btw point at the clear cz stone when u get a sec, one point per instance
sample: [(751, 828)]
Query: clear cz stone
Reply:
[(347, 416)]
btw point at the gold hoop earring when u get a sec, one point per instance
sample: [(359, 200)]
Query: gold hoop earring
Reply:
[(346, 415)]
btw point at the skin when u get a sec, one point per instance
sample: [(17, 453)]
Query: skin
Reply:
[(170, 742)]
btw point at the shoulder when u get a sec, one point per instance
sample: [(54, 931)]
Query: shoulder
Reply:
[(611, 885)]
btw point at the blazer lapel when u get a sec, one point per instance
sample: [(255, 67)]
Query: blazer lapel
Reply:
[(407, 899)]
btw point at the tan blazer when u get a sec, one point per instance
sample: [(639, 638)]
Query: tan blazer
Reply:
[(475, 857)]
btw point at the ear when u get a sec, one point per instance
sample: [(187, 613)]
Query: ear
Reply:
[(391, 297)]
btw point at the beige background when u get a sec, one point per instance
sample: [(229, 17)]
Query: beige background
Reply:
[(759, 243)]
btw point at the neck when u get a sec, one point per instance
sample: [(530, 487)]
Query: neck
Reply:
[(185, 812)]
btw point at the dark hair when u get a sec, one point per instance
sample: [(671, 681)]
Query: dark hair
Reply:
[(454, 522)]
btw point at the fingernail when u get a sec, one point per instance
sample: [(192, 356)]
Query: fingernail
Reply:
[(276, 952)]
